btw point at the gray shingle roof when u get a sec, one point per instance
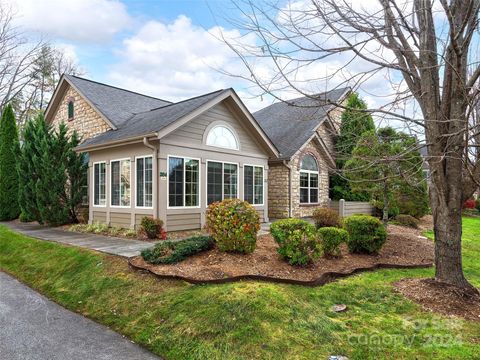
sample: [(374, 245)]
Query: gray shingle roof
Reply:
[(290, 124), (151, 121), (117, 105)]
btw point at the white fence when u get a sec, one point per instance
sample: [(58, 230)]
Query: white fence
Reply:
[(347, 208)]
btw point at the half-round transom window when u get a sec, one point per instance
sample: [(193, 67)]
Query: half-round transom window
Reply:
[(222, 136), (309, 163)]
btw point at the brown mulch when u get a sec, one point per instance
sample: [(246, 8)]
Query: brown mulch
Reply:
[(404, 248), (440, 297)]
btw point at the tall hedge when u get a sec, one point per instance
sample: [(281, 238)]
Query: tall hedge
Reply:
[(9, 149)]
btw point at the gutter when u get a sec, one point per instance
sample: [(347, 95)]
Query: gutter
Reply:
[(147, 143), (290, 181)]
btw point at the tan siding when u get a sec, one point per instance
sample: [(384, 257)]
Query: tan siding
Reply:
[(120, 219), (188, 221), (99, 216), (260, 214), (192, 133)]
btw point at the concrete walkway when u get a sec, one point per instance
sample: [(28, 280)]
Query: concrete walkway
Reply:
[(106, 244), (33, 327)]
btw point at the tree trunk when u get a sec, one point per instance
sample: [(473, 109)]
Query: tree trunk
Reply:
[(385, 203)]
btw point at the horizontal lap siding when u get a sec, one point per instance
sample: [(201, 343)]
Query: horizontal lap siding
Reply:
[(120, 219), (99, 216), (189, 221)]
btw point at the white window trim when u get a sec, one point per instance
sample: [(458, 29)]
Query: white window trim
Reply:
[(93, 182), (263, 186), (135, 182), (309, 187), (206, 178), (225, 125), (199, 182), (110, 185)]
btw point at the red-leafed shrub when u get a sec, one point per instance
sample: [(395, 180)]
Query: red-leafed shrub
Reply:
[(233, 224), (469, 204)]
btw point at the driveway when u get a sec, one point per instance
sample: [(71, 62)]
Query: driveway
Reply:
[(33, 327)]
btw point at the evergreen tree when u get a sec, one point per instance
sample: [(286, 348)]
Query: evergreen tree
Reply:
[(354, 123), (9, 150)]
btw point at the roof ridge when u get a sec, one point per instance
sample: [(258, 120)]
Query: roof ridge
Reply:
[(118, 88)]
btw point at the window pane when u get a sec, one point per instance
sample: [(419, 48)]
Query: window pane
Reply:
[(314, 180), (314, 195), (125, 183), (175, 182), (140, 182), (230, 176), (222, 137), (214, 182), (96, 184), (304, 195), (191, 183), (258, 191), (102, 196), (248, 183), (148, 182), (309, 163), (303, 179), (115, 190)]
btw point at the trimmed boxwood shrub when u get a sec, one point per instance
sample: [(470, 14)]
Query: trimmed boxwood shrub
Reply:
[(366, 234), (233, 224), (325, 217), (153, 228), (171, 252), (406, 220), (332, 238), (297, 240)]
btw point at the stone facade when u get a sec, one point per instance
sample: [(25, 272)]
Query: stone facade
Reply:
[(86, 120), (278, 197)]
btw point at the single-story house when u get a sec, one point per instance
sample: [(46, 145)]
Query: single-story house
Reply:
[(169, 160)]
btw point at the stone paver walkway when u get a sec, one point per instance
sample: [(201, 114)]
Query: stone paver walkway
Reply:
[(106, 244)]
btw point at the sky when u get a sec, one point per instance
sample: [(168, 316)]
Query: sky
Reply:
[(165, 48)]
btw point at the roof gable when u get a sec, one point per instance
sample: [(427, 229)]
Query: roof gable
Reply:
[(292, 123)]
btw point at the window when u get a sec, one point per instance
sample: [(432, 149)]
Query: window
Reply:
[(221, 136), (99, 194), (253, 184), (222, 181), (144, 182), (120, 182), (308, 180), (70, 110), (183, 182)]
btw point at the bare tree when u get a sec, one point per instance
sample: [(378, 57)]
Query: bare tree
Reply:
[(427, 50)]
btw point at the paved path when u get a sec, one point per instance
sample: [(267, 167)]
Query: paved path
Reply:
[(35, 328), (106, 244)]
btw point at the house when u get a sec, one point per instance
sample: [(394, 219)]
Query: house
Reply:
[(149, 156)]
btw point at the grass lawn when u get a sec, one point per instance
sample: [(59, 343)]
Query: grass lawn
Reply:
[(247, 320)]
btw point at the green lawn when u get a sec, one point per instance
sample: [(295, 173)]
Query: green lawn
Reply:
[(247, 320)]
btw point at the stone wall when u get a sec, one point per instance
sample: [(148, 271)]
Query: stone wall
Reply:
[(86, 121), (278, 202)]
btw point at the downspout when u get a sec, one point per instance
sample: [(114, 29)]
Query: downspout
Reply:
[(290, 181), (147, 143)]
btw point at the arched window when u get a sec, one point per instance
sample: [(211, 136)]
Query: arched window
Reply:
[(70, 110), (308, 180), (223, 137)]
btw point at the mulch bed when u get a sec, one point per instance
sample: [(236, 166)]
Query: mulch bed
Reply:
[(442, 298), (403, 249)]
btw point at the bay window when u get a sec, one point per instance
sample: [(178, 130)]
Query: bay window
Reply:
[(308, 180), (222, 181), (144, 183), (183, 182), (253, 184), (120, 182)]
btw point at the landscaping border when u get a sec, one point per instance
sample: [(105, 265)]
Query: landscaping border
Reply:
[(324, 279)]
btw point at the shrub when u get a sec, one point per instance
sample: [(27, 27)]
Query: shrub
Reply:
[(332, 238), (151, 227), (366, 234), (171, 252), (469, 204), (406, 220), (477, 204), (297, 240), (233, 225), (325, 217)]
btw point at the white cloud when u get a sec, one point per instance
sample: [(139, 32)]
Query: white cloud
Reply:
[(73, 20)]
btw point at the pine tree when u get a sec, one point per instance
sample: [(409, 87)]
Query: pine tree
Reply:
[(9, 150), (355, 121)]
